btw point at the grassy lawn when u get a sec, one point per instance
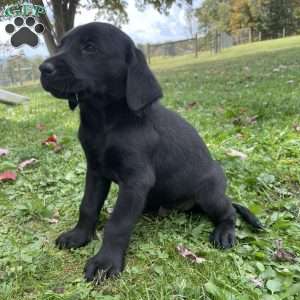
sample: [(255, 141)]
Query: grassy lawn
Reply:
[(246, 99)]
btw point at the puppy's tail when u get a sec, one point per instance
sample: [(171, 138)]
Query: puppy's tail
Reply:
[(248, 216)]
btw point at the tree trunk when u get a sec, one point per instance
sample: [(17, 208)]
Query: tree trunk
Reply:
[(50, 43), (69, 21), (59, 13), (64, 15), (49, 34)]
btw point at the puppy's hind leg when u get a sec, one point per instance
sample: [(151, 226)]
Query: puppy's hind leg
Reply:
[(214, 203)]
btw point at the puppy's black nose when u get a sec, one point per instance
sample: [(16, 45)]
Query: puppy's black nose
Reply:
[(47, 68)]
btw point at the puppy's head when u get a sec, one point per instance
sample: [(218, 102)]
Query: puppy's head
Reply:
[(98, 59)]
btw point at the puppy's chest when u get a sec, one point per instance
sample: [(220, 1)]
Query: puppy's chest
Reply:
[(101, 154), (94, 145)]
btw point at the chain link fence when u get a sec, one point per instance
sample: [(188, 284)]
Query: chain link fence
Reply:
[(212, 41), (17, 70)]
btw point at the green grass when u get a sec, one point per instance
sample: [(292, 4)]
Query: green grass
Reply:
[(218, 95)]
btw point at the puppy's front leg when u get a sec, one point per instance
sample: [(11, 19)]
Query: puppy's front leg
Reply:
[(96, 190), (109, 261)]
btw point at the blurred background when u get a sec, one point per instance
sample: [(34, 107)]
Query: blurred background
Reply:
[(162, 29)]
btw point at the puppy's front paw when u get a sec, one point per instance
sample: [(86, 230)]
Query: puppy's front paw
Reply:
[(223, 236), (73, 239), (101, 267)]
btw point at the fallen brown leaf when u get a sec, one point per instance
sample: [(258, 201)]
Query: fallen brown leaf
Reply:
[(237, 121), (283, 255), (59, 290), (52, 142), (40, 126), (26, 163), (53, 221), (186, 253), (3, 152), (296, 127), (192, 104), (57, 148), (244, 120), (8, 176), (258, 283), (251, 120), (55, 217), (235, 153)]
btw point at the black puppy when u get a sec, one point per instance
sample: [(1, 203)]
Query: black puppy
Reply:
[(157, 159)]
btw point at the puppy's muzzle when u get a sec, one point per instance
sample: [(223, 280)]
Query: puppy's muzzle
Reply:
[(48, 69)]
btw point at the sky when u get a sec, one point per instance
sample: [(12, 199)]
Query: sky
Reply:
[(148, 26)]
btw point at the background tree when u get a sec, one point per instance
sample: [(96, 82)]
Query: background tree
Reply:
[(61, 14), (214, 15), (279, 15), (242, 14), (191, 21), (271, 17)]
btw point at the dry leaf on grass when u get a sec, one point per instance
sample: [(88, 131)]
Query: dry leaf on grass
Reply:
[(251, 120), (26, 163), (40, 126), (8, 176), (296, 127), (186, 253), (258, 283), (191, 105), (55, 217), (59, 290), (53, 221), (283, 255), (236, 153), (57, 148), (52, 139), (3, 152), (245, 120), (53, 143)]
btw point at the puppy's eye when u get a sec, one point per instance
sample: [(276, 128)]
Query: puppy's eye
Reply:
[(89, 48)]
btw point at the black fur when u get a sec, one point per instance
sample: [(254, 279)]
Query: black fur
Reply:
[(157, 159)]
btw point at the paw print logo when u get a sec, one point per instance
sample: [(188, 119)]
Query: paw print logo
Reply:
[(24, 31)]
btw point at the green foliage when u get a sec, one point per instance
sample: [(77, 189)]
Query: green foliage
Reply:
[(215, 15), (278, 14), (268, 16), (218, 95)]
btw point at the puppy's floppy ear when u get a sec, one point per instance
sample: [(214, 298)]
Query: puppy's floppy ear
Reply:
[(142, 87)]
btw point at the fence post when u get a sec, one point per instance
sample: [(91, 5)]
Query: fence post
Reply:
[(220, 39), (32, 73), (217, 42), (259, 36), (283, 32), (20, 74), (149, 53), (250, 35), (196, 45)]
